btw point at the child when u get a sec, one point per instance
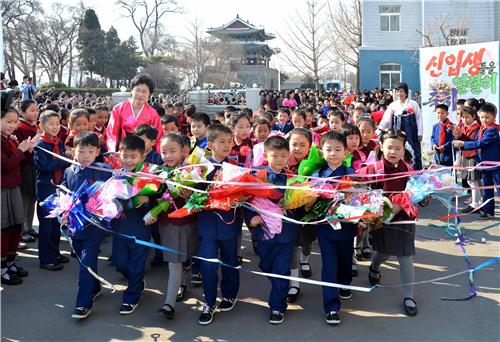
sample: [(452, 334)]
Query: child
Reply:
[(86, 242), (467, 130), (181, 117), (170, 124), (300, 141), (219, 116), (12, 207), (199, 124), (78, 122), (49, 172), (322, 125), (92, 119), (149, 134), (283, 125), (299, 119), (102, 112), (353, 138), (395, 239), (217, 235), (28, 128), (129, 257), (336, 120), (367, 129), (357, 114), (275, 253), (229, 112), (169, 109), (240, 124), (179, 234), (64, 113), (335, 240), (261, 130), (442, 137), (487, 144)]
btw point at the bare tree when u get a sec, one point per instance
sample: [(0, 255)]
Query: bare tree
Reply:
[(52, 38), (442, 33), (195, 54), (305, 40), (16, 54), (345, 21), (146, 16)]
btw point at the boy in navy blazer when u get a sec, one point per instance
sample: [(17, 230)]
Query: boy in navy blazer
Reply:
[(217, 237), (49, 172), (86, 242), (275, 253), (487, 142), (442, 137), (335, 240)]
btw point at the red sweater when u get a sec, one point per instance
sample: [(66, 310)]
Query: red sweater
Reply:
[(23, 132), (11, 158)]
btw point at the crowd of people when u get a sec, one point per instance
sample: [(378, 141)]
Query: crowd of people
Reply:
[(368, 133)]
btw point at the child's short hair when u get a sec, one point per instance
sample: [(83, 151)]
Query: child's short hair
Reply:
[(174, 137), (215, 130), (219, 114), (25, 104), (261, 121), (338, 114), (53, 107), (64, 113), (235, 118), (46, 115), (170, 118), (149, 131), (442, 106), (231, 109), (470, 111), (359, 110), (301, 131), (185, 140), (489, 107), (132, 142), (169, 105), (300, 113), (86, 139), (460, 102), (368, 120), (284, 110), (91, 111), (76, 114), (267, 116), (190, 110), (101, 107), (276, 143), (201, 117), (179, 105), (328, 136), (349, 129)]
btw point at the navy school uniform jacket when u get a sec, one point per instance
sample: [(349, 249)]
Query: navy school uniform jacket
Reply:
[(325, 230), (488, 146), (46, 165), (289, 231), (73, 178), (153, 157), (446, 156), (210, 225)]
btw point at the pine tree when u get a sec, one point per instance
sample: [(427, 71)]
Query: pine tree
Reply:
[(91, 44)]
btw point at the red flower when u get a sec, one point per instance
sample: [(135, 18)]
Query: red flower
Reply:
[(244, 150), (410, 110)]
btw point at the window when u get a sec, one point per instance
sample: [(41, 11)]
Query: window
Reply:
[(390, 75), (389, 18), (458, 36)]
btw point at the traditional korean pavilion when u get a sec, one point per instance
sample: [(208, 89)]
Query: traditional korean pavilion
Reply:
[(252, 54)]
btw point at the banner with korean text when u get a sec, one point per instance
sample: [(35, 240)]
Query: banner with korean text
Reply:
[(449, 73)]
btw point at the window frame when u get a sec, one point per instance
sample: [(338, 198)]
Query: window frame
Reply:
[(389, 15), (390, 73), (461, 34)]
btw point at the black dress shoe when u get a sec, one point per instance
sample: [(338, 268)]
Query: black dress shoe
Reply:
[(33, 233), (305, 270), (52, 267), (410, 310), (467, 209), (62, 259), (373, 280), (167, 311), (291, 298)]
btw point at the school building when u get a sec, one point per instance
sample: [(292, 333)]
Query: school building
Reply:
[(393, 31)]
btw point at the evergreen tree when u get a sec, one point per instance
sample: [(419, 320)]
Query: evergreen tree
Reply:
[(91, 44)]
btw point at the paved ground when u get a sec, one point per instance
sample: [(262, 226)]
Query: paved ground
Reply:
[(40, 309)]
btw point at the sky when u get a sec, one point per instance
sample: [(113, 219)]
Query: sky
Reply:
[(212, 13)]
